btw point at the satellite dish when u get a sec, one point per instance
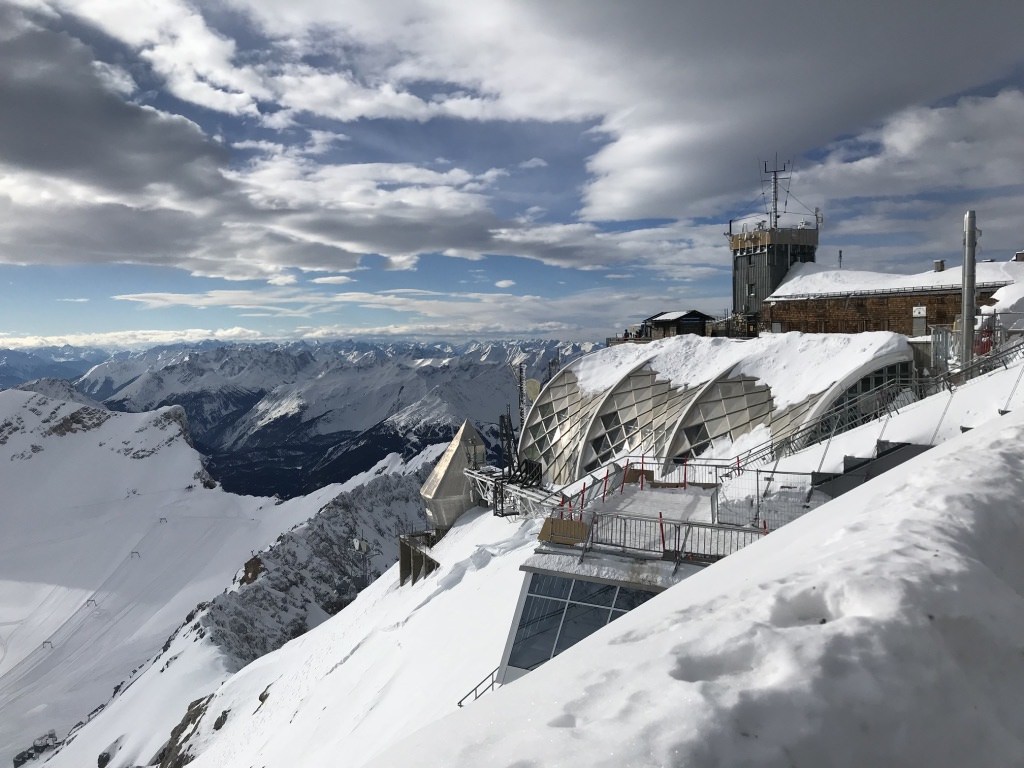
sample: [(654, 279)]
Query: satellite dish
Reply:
[(532, 387)]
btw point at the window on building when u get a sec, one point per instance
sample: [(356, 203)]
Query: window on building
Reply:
[(559, 612), (751, 289)]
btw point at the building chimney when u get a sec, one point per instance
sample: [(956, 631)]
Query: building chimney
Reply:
[(940, 265), (1018, 256)]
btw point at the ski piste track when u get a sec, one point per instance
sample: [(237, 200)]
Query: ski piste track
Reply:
[(82, 623)]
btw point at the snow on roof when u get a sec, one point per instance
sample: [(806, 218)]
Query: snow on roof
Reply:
[(816, 279), (794, 365), (1008, 300), (666, 317)]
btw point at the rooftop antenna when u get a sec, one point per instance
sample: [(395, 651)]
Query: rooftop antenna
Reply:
[(774, 215), (522, 394)]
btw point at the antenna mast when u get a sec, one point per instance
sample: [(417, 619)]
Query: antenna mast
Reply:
[(775, 189)]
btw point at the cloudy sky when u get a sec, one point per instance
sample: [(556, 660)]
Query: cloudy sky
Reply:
[(262, 169)]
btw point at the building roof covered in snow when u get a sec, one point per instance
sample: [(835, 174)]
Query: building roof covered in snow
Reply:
[(674, 397), (804, 280)]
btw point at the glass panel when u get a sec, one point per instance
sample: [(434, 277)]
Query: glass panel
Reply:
[(593, 593), (535, 635), (552, 586), (628, 599), (580, 621)]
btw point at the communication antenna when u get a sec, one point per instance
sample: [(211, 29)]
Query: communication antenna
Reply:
[(521, 380), (774, 173)]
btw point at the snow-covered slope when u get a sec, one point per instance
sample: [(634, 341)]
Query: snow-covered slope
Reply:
[(883, 628), (108, 537), (395, 657)]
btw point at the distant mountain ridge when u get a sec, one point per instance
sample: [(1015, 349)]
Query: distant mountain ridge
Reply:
[(288, 418)]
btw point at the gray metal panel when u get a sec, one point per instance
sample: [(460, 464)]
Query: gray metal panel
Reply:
[(446, 492)]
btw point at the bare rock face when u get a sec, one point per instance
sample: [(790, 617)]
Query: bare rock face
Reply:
[(82, 420), (312, 571), (175, 752)]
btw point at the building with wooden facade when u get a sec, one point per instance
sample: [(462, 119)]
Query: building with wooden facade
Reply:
[(814, 300)]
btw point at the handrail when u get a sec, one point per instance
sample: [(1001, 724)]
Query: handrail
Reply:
[(792, 441), (671, 539), (982, 365), (490, 680)]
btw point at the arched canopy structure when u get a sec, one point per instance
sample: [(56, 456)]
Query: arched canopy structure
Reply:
[(672, 398)]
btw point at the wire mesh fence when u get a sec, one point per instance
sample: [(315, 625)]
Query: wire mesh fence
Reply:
[(765, 499)]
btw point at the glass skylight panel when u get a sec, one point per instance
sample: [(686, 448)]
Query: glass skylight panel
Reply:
[(538, 628), (550, 586), (579, 622), (628, 599), (593, 593)]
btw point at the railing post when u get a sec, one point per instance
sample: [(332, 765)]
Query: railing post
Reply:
[(641, 472), (604, 491), (757, 489), (684, 474)]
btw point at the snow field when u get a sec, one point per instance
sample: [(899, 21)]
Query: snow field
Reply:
[(880, 629), (103, 549), (395, 658)]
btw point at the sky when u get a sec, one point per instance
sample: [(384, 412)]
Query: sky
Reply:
[(258, 170)]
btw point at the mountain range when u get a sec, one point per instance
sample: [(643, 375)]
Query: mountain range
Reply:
[(287, 419), (881, 628)]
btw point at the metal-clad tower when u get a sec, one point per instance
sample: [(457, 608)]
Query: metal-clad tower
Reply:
[(763, 252), (968, 307)]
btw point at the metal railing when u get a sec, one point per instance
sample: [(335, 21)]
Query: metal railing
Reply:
[(853, 294), (489, 683), (999, 357), (669, 539), (533, 502), (766, 499), (884, 399)]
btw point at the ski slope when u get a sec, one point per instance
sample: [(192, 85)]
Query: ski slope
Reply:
[(107, 540)]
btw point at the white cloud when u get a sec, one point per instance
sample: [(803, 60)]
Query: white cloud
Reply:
[(131, 338), (282, 279), (534, 162), (74, 301), (117, 79), (333, 280), (504, 283)]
